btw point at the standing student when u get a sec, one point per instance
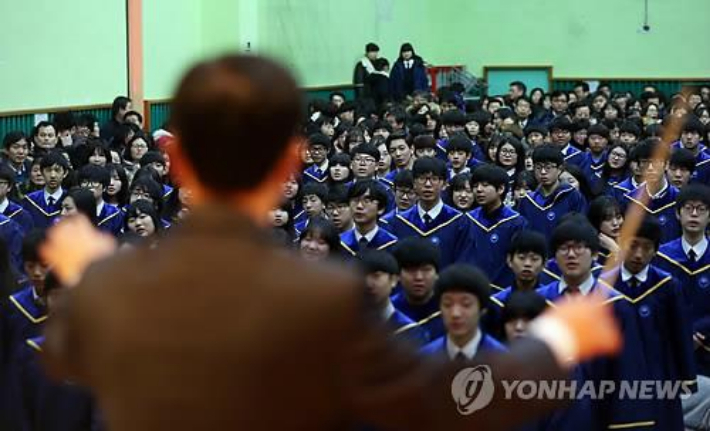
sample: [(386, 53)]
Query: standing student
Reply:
[(691, 140), (313, 197), (9, 208), (43, 205), (404, 195), (368, 201), (15, 150), (402, 153), (408, 73), (596, 156), (544, 207), (364, 68), (561, 134), (97, 179), (493, 225), (431, 218), (463, 297), (120, 106), (319, 146), (337, 207)]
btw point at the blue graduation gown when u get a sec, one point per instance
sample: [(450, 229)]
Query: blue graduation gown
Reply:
[(437, 347), (618, 190), (313, 174), (449, 230), (665, 351), (12, 234), (573, 155), (477, 153), (167, 191), (592, 168), (663, 208), (19, 215), (426, 316), (383, 240), (694, 277), (702, 164), (43, 214), (490, 236), (406, 328), (111, 219), (543, 213), (491, 321)]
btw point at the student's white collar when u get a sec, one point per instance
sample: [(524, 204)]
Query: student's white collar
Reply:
[(469, 350), (660, 193), (4, 204), (641, 276), (99, 208), (388, 311), (585, 288), (698, 248), (56, 195), (433, 213), (368, 236)]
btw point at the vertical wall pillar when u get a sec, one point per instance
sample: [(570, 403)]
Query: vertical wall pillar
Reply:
[(134, 14)]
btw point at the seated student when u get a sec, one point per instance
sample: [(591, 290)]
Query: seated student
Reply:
[(319, 241), (40, 403), (688, 259), (156, 160), (655, 196), (629, 133), (337, 207), (453, 122), (634, 180), (580, 133), (493, 224), (43, 205), (561, 134), (143, 220), (681, 167), (368, 200), (79, 200), (663, 330), (463, 292), (520, 309), (536, 135), (15, 150), (606, 217), (313, 197), (402, 152), (116, 193), (339, 169), (404, 195), (9, 208), (282, 225), (381, 276), (364, 165), (691, 140), (595, 158), (431, 218), (460, 193), (458, 154), (419, 262), (552, 199), (424, 146), (319, 146), (97, 179)]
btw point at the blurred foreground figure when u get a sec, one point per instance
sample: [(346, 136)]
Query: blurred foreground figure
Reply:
[(225, 331)]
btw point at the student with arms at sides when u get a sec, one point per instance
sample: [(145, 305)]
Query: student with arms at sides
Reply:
[(97, 179), (8, 207), (353, 374), (337, 207), (368, 200), (43, 205)]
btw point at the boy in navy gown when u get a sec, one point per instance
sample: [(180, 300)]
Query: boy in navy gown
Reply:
[(9, 208), (463, 292), (43, 205), (561, 134), (368, 201), (431, 218), (419, 263), (404, 195), (337, 206), (595, 158), (659, 196), (544, 207), (381, 276), (691, 139), (313, 197), (494, 225), (97, 178), (401, 149), (666, 353), (318, 147)]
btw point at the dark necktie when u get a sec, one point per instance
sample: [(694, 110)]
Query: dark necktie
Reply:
[(692, 256), (50, 201), (427, 219), (633, 284), (460, 358), (572, 290), (363, 243)]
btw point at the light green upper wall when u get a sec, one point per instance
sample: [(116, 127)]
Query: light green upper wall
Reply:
[(53, 54)]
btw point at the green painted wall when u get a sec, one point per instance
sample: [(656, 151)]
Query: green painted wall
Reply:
[(53, 54)]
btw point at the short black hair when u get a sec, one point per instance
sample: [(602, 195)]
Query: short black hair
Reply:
[(7, 174), (152, 157), (548, 154), (693, 124), (145, 207), (491, 174), (460, 181), (523, 304), (650, 229), (577, 232), (403, 178), (521, 86), (539, 128), (395, 136), (317, 189), (340, 159), (94, 174), (631, 128), (693, 192), (584, 85), (683, 158), (372, 261), (31, 244), (377, 192), (84, 201), (464, 278), (601, 208), (561, 123), (236, 99), (133, 114), (459, 142), (120, 102), (337, 195), (453, 117), (647, 148), (13, 137), (528, 241), (599, 130), (412, 252), (424, 141), (54, 158), (319, 139), (429, 165), (372, 47), (366, 148)]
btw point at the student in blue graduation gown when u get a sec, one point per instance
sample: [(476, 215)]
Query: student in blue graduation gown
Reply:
[(319, 146), (463, 292), (688, 259), (8, 208), (431, 218), (364, 161), (402, 152), (666, 353), (337, 207), (458, 154), (15, 150), (595, 157), (544, 207), (157, 162), (561, 134), (691, 139), (381, 276), (681, 167), (493, 225), (659, 196), (521, 307), (419, 263), (368, 201), (43, 205), (313, 196), (633, 181), (606, 217), (526, 258), (108, 217), (404, 195)]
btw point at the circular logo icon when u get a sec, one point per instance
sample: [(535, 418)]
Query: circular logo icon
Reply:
[(472, 389), (435, 240), (644, 311), (662, 219), (494, 238), (703, 282), (551, 216)]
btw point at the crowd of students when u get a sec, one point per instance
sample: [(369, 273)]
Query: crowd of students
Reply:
[(467, 219)]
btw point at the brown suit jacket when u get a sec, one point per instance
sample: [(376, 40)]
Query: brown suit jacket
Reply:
[(220, 330)]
